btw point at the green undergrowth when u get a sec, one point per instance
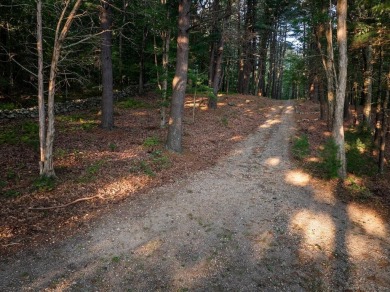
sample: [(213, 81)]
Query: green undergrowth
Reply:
[(132, 104), (156, 162), (358, 147), (300, 147), (24, 133), (79, 121)]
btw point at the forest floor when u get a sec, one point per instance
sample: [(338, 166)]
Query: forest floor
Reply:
[(234, 212)]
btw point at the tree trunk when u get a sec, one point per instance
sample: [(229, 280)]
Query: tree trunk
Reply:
[(166, 37), (330, 74), (379, 101), (338, 128), (48, 166), (384, 128), (322, 99), (367, 85), (41, 97), (107, 79), (141, 81), (175, 129)]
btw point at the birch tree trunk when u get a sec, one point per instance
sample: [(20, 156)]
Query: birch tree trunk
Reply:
[(60, 35), (175, 129), (338, 128)]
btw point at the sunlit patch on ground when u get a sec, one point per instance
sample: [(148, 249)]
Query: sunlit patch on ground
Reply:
[(6, 232), (270, 123), (237, 138), (192, 274), (368, 220), (262, 243), (149, 248), (273, 161), (297, 178), (317, 231)]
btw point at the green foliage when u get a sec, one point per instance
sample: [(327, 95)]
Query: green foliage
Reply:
[(358, 145), (7, 106), (91, 171), (151, 141), (44, 184), (330, 163), (132, 104), (25, 133), (300, 147), (94, 167), (225, 121), (357, 189), (112, 146), (159, 160), (60, 153)]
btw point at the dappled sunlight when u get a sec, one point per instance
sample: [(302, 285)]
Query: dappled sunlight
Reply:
[(325, 194), (262, 243), (148, 248), (317, 229), (367, 219), (237, 138), (6, 232), (272, 161), (361, 249), (140, 113), (297, 178), (270, 123), (191, 274)]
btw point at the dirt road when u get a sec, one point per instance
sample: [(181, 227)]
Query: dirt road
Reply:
[(253, 222)]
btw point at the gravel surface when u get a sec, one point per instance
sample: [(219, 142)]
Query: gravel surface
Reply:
[(253, 222)]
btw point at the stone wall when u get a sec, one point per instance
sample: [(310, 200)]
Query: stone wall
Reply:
[(68, 106)]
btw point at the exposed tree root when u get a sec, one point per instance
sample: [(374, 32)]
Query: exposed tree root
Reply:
[(66, 205)]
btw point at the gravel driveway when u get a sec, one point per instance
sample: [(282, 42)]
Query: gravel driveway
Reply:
[(253, 222)]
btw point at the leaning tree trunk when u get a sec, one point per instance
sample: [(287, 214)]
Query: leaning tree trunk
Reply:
[(175, 129), (107, 79), (48, 166), (338, 128)]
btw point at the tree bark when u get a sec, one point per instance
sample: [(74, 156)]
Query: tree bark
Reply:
[(107, 78), (175, 129), (48, 166), (166, 37), (367, 85), (41, 97), (338, 128), (383, 131)]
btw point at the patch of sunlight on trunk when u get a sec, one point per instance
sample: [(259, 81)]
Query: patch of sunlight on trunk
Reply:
[(148, 248), (297, 178), (272, 161), (367, 219), (317, 230)]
